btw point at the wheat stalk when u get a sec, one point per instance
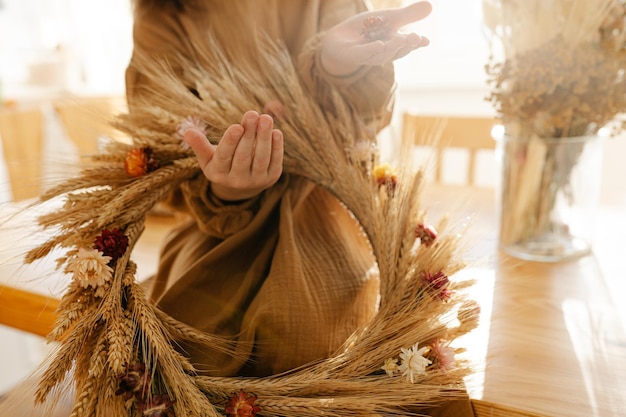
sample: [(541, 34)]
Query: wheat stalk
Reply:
[(123, 325)]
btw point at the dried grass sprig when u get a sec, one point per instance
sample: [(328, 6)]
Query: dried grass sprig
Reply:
[(128, 331), (564, 78), (555, 88)]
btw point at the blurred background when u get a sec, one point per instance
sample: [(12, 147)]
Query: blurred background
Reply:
[(55, 49), (53, 46)]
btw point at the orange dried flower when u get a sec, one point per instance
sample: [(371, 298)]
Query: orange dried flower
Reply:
[(242, 405), (140, 161), (385, 176)]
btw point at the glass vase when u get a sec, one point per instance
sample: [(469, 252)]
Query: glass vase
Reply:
[(548, 195)]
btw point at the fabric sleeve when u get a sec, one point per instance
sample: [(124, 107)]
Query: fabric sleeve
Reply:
[(370, 90), (215, 217)]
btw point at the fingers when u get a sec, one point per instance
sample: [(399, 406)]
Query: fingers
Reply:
[(397, 44), (380, 52), (225, 150), (264, 144), (415, 41), (405, 15), (244, 149), (275, 168), (200, 145), (247, 159), (253, 147)]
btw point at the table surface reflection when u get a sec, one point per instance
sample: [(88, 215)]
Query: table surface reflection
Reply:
[(552, 338)]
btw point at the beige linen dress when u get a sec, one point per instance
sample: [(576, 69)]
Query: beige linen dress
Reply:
[(289, 274)]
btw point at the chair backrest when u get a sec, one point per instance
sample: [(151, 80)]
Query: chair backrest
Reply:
[(27, 311), (21, 133), (87, 119), (441, 133)]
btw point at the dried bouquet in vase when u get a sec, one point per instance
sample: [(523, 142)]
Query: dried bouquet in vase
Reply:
[(119, 350), (558, 82)]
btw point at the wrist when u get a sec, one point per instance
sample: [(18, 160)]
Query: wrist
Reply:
[(230, 195)]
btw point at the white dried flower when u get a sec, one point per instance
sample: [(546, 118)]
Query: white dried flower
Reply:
[(90, 268), (190, 122), (412, 362), (390, 366)]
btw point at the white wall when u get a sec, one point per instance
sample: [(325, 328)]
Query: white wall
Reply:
[(63, 45), (83, 47)]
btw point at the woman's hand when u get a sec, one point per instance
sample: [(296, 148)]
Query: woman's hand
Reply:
[(247, 160), (372, 38)]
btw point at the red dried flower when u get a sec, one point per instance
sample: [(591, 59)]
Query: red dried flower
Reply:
[(159, 405), (135, 382), (426, 234), (140, 161), (438, 282), (112, 243), (242, 405)]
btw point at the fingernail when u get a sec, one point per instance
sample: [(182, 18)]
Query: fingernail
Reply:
[(265, 123)]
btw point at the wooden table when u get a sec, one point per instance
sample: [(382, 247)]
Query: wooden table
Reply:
[(552, 338)]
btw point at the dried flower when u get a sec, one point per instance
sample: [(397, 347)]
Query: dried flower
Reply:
[(390, 366), (190, 122), (242, 405), (385, 176), (413, 362), (439, 283), (571, 83), (90, 268), (112, 243), (375, 28), (135, 382), (444, 355), (426, 234), (140, 161), (158, 405)]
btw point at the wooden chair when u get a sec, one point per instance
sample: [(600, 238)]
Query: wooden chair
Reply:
[(21, 132), (27, 311), (440, 133), (87, 119)]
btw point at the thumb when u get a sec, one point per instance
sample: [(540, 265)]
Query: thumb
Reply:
[(202, 148)]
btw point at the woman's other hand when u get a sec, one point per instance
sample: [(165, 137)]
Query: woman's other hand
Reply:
[(247, 160), (372, 38)]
